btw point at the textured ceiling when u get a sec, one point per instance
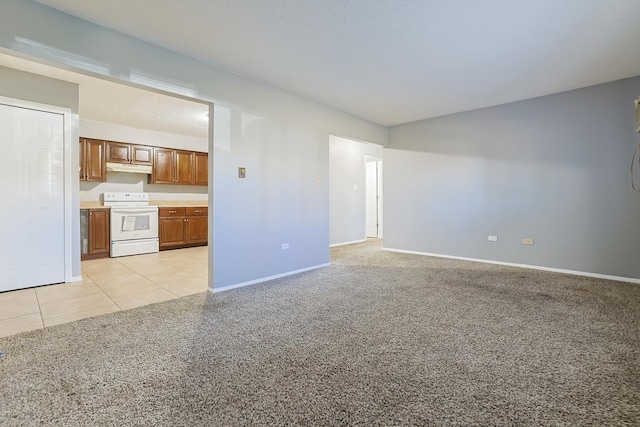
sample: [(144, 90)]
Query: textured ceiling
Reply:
[(104, 101), (393, 61)]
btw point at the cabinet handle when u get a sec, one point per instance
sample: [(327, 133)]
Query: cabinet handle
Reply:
[(172, 212), (198, 211)]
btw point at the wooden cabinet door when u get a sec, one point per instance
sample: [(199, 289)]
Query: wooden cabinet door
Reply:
[(94, 167), (83, 157), (196, 229), (141, 155), (117, 152), (171, 231), (201, 169), (183, 167), (99, 242), (162, 166)]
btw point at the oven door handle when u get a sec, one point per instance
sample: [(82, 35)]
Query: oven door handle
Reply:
[(133, 211)]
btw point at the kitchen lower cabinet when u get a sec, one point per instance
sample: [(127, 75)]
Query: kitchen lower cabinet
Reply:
[(182, 227), (197, 226), (94, 233)]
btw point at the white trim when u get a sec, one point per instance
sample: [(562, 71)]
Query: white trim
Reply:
[(33, 105), (76, 279), (353, 242), (533, 267), (71, 128), (265, 279)]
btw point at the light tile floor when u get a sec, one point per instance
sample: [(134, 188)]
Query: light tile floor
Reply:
[(108, 285)]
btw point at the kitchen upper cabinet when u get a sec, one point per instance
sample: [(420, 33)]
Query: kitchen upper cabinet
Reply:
[(163, 166), (169, 166), (172, 167), (119, 152), (184, 167), (201, 169), (94, 230), (141, 155), (92, 160)]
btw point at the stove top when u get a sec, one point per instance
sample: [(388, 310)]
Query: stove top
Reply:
[(125, 199)]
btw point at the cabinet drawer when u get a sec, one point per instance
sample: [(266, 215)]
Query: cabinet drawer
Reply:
[(169, 212), (200, 211)]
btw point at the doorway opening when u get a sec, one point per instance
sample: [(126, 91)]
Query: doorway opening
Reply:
[(348, 160), (373, 197), (118, 114)]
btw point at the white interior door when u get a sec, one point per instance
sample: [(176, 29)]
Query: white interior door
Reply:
[(371, 199), (32, 245)]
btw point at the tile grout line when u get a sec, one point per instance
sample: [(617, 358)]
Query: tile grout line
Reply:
[(158, 284), (135, 293), (102, 290), (151, 280), (39, 307)]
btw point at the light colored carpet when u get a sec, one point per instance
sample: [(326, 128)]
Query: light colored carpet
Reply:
[(377, 338)]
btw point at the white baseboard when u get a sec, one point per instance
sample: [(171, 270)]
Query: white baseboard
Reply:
[(533, 267), (348, 243), (265, 279), (76, 278)]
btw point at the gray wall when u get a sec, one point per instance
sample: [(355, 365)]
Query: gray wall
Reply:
[(34, 88), (43, 90), (554, 168), (347, 205), (280, 138)]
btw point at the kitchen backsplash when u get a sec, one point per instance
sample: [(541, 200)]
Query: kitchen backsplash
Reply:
[(137, 183)]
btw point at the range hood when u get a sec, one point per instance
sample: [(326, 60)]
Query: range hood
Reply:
[(124, 167)]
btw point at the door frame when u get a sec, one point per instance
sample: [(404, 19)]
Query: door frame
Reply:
[(378, 161), (70, 164)]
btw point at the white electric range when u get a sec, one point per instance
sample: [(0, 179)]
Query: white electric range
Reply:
[(134, 224)]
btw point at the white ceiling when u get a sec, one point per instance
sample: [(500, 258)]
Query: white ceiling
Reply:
[(393, 61)]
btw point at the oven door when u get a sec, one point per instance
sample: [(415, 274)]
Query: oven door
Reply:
[(134, 223)]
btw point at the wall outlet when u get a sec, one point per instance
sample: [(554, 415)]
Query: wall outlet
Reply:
[(527, 241), (493, 238), (285, 246)]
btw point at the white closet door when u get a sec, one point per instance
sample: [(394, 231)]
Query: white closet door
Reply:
[(32, 194)]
